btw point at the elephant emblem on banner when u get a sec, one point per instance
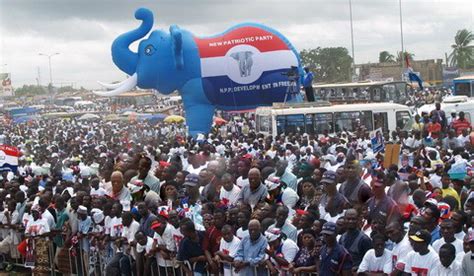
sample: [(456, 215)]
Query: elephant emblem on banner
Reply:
[(245, 62)]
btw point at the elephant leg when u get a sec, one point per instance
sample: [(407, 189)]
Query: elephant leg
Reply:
[(199, 111), (199, 118)]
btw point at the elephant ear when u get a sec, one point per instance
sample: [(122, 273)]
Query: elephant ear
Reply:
[(235, 56), (177, 46)]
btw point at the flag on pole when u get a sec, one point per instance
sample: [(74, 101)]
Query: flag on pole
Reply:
[(9, 158), (411, 74)]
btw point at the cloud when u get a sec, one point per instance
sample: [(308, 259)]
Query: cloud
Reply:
[(82, 31)]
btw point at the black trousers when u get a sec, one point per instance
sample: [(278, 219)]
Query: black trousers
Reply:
[(309, 93)]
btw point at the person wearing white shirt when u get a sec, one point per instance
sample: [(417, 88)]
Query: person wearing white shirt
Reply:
[(447, 265), (378, 259), (423, 259), (447, 233), (228, 248), (144, 248), (163, 245), (401, 246), (281, 252), (229, 191), (130, 228)]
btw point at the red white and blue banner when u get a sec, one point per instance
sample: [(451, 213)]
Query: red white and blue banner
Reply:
[(8, 158), (245, 67)]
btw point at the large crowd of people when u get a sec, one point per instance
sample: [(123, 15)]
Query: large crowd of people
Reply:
[(121, 198)]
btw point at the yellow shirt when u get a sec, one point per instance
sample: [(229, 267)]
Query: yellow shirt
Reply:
[(452, 192)]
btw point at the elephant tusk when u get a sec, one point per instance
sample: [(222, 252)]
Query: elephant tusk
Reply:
[(111, 85), (125, 86)]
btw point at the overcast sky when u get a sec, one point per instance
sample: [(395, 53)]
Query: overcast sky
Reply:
[(83, 30)]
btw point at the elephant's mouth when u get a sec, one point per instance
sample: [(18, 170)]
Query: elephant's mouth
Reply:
[(118, 88)]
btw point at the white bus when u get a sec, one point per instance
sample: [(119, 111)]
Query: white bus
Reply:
[(321, 117)]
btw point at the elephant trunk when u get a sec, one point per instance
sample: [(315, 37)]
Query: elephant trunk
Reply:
[(123, 57)]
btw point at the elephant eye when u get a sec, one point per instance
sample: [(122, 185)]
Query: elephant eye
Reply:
[(150, 50)]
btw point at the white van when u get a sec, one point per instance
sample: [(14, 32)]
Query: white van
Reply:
[(318, 117), (454, 104)]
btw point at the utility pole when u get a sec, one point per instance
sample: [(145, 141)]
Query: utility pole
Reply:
[(352, 40)]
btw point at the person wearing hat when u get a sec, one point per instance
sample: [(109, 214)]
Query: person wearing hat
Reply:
[(191, 203), (380, 205), (281, 251), (83, 228), (163, 242), (278, 195), (423, 259), (467, 263), (332, 202), (334, 258)]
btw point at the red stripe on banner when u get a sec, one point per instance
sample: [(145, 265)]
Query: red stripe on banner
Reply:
[(9, 150), (263, 40)]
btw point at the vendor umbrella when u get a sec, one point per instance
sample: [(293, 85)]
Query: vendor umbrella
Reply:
[(174, 119)]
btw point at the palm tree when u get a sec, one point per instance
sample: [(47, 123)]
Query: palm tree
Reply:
[(385, 56), (463, 53), (401, 57)]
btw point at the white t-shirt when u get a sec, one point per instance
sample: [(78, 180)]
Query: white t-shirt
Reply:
[(458, 244), (177, 237), (129, 232), (147, 247), (241, 233), (371, 263), (417, 264), (455, 269), (229, 248), (289, 250), (37, 227), (99, 192), (242, 182), (167, 240), (232, 195), (49, 218), (116, 227), (399, 253)]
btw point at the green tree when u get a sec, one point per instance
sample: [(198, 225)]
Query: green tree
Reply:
[(463, 52), (30, 90), (385, 56), (331, 64)]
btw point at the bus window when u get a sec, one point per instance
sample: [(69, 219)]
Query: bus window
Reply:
[(376, 94), (403, 117), (309, 122), (322, 122), (462, 89), (290, 123), (281, 124), (264, 123), (352, 120), (402, 93), (381, 121), (295, 123), (390, 92)]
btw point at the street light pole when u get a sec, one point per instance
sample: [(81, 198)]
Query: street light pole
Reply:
[(352, 40), (50, 70), (402, 55)]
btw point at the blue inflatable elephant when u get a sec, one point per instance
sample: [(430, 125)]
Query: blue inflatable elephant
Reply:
[(240, 69)]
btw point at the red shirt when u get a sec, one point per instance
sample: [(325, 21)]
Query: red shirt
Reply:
[(434, 128), (459, 125)]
